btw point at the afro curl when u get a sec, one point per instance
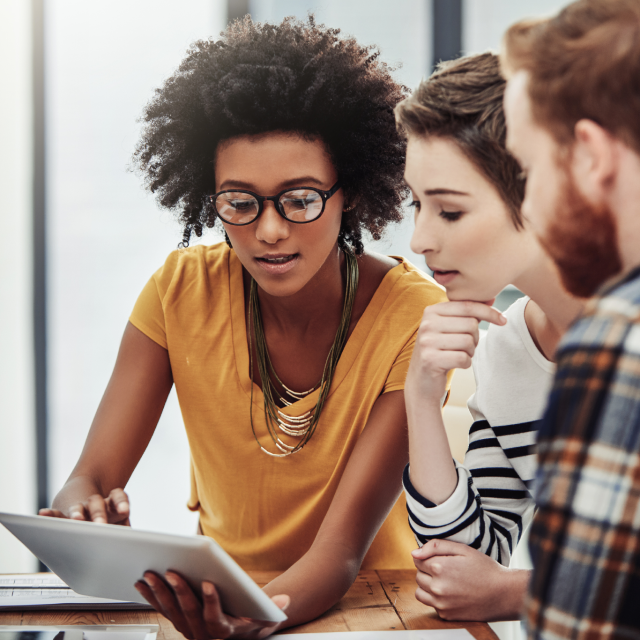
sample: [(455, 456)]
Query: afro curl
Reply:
[(294, 77)]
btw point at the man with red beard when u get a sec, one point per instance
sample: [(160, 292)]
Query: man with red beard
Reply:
[(573, 118)]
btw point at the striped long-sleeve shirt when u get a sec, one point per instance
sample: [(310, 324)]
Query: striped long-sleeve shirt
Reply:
[(585, 538), (492, 503)]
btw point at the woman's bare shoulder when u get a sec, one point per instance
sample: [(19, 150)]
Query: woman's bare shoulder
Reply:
[(414, 288), (374, 267)]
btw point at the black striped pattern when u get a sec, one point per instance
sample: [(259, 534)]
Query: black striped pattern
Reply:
[(492, 504)]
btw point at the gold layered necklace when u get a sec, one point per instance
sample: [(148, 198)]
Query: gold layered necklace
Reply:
[(303, 426)]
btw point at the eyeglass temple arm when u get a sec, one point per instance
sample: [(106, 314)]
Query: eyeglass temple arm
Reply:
[(336, 187)]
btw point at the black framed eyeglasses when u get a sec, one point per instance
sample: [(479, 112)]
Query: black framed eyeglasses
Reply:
[(298, 205)]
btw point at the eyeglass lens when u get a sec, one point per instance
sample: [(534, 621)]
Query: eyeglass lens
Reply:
[(298, 205)]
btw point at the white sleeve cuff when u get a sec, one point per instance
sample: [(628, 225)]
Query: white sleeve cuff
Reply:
[(425, 514)]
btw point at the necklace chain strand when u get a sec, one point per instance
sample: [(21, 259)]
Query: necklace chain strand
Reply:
[(303, 426)]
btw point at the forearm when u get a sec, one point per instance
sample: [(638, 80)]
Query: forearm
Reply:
[(124, 422), (508, 603), (432, 470), (369, 487), (316, 582), (445, 341)]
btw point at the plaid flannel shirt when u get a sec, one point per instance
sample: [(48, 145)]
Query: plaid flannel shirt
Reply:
[(585, 538)]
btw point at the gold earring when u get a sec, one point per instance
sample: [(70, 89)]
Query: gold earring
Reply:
[(349, 208)]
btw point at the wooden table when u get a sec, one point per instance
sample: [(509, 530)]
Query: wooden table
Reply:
[(377, 600)]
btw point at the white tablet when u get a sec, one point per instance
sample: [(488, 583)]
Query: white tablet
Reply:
[(106, 560)]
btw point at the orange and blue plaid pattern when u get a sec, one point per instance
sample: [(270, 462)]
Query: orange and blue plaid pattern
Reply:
[(585, 537)]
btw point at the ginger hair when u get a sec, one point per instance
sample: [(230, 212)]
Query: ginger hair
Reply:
[(583, 63)]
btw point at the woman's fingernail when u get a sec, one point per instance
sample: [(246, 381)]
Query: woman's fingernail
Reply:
[(150, 579), (207, 588), (171, 580), (282, 601), (123, 507), (415, 553)]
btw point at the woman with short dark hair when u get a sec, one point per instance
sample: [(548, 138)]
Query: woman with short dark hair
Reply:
[(468, 191), (288, 344)]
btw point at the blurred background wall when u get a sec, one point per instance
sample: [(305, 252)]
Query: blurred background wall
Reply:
[(17, 418), (104, 235)]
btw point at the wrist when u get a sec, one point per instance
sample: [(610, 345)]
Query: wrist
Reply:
[(417, 401), (514, 585), (425, 386)]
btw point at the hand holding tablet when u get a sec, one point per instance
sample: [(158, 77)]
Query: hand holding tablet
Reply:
[(199, 618), (106, 561)]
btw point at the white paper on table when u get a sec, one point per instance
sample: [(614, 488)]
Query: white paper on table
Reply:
[(117, 633), (413, 634)]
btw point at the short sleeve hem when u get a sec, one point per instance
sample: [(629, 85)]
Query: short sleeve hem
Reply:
[(157, 337), (148, 312)]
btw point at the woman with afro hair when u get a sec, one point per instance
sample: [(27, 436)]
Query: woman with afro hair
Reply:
[(288, 344)]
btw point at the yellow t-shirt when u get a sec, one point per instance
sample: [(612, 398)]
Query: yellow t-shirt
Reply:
[(265, 511)]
